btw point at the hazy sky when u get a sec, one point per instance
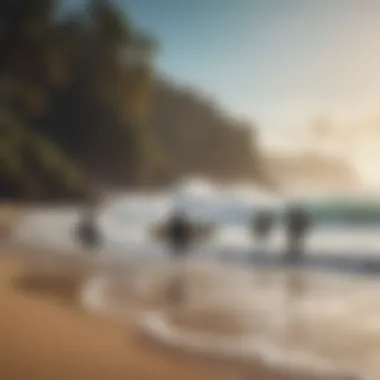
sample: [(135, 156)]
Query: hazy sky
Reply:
[(281, 63), (277, 61)]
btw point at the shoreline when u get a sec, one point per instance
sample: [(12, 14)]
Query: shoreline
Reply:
[(45, 334)]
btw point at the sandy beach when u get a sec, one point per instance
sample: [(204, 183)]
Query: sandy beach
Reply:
[(46, 335)]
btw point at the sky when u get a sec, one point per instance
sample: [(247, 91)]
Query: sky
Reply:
[(282, 64), (275, 61)]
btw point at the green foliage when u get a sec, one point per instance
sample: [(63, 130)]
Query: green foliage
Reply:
[(34, 167), (110, 22), (77, 92), (68, 95)]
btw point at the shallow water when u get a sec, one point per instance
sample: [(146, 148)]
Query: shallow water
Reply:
[(123, 228), (307, 320), (234, 305)]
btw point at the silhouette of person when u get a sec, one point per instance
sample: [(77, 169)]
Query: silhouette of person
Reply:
[(298, 225), (179, 232), (262, 225), (87, 230)]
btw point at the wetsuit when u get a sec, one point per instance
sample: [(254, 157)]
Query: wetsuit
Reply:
[(298, 225), (179, 234), (88, 233), (262, 225)]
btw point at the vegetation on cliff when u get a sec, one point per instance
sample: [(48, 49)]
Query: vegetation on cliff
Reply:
[(199, 138), (81, 105)]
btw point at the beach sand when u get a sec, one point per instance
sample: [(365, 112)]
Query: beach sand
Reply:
[(46, 335)]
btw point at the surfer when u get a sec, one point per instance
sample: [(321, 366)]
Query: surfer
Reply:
[(179, 233), (298, 224), (87, 230), (262, 225)]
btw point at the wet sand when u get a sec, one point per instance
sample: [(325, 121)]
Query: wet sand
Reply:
[(45, 334), (291, 322)]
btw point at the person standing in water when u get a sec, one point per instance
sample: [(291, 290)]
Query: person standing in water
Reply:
[(179, 233), (87, 230), (298, 225), (262, 225)]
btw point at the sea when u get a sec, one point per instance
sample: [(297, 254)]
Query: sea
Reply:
[(242, 300)]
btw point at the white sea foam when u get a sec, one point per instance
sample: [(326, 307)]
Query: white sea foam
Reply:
[(126, 222), (262, 308), (336, 317)]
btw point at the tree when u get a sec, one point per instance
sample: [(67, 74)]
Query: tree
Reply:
[(67, 81), (82, 105)]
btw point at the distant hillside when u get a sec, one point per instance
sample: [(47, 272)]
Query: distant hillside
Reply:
[(199, 138), (310, 169), (81, 105)]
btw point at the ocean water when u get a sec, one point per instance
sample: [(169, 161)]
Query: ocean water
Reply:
[(325, 320), (342, 226)]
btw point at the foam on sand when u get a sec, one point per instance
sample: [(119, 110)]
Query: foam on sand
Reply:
[(157, 326), (226, 313)]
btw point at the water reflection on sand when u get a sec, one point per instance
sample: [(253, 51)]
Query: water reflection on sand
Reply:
[(331, 319)]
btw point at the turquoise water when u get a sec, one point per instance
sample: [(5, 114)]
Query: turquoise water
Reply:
[(330, 323), (345, 211)]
